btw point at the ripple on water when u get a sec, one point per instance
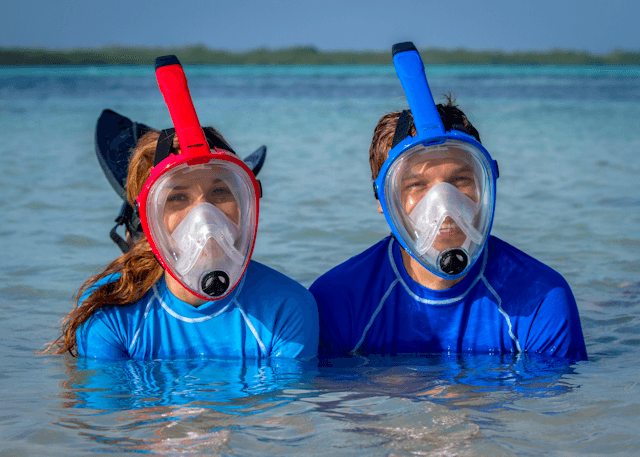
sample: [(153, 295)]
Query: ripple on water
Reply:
[(19, 292), (77, 240), (620, 202)]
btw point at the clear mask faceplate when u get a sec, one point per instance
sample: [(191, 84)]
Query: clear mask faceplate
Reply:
[(203, 220), (439, 201)]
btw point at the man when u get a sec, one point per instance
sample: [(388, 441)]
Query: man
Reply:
[(440, 283)]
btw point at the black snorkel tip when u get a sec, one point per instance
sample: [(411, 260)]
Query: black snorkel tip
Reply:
[(164, 61), (453, 261), (215, 283), (403, 47)]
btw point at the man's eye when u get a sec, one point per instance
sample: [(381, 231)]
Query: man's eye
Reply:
[(462, 180), (414, 185)]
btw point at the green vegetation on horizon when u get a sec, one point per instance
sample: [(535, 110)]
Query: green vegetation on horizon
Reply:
[(303, 56)]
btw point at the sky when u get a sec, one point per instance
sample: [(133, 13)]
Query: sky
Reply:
[(596, 26)]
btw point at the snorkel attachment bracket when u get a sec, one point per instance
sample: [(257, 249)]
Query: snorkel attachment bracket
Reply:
[(130, 219)]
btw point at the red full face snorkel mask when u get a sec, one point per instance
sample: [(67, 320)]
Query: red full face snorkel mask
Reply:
[(199, 208)]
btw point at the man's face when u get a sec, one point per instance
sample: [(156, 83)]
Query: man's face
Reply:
[(420, 174), (438, 199)]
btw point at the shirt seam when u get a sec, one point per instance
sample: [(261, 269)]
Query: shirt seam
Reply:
[(503, 312), (251, 327), (427, 301), (144, 317), (195, 320), (373, 317)]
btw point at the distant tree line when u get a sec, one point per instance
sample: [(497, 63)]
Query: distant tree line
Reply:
[(303, 55)]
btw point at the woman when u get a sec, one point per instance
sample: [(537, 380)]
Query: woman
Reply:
[(135, 309), (188, 287)]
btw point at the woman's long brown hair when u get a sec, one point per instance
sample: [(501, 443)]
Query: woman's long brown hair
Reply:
[(138, 268)]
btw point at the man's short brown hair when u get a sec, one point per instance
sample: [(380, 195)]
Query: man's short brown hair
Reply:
[(452, 118)]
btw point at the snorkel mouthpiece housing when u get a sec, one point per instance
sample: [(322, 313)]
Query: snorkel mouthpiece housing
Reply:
[(435, 146), (227, 182)]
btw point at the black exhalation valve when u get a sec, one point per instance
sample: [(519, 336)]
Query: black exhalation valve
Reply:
[(453, 261), (215, 283)]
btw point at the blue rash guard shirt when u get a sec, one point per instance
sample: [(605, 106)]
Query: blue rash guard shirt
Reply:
[(508, 303), (266, 315)]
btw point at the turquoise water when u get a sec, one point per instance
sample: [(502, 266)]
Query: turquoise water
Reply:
[(568, 144)]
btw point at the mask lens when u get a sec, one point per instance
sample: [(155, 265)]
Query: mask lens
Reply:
[(440, 200), (203, 220)]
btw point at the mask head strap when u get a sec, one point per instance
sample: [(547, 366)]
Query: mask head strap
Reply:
[(165, 146), (402, 131), (215, 141), (130, 218), (402, 128)]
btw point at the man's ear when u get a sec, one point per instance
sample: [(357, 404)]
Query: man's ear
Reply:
[(379, 207)]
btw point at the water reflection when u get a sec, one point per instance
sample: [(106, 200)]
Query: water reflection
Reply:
[(375, 405), (482, 381), (175, 406), (131, 384)]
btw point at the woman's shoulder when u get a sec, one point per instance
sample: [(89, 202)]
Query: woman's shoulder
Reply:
[(108, 309), (113, 277), (269, 283), (108, 279)]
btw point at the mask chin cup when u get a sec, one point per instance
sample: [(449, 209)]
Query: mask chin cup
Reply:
[(443, 200), (208, 260), (204, 222)]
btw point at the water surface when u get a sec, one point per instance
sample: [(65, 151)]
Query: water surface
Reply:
[(567, 141)]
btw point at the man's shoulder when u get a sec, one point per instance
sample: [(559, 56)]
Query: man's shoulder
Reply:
[(521, 281), (357, 268), (536, 293), (508, 261)]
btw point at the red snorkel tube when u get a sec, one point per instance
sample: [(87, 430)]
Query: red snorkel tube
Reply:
[(194, 149), (174, 88)]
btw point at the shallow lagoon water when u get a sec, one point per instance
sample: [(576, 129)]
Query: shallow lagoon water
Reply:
[(567, 141)]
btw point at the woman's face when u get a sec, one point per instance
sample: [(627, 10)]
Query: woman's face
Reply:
[(194, 187)]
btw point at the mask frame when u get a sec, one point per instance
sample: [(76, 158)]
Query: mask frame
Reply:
[(430, 131)]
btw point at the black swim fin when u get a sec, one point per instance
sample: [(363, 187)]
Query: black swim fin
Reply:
[(116, 137)]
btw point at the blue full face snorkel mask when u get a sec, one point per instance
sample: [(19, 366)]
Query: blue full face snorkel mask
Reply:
[(437, 189)]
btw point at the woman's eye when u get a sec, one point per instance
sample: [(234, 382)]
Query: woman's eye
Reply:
[(220, 193), (176, 198)]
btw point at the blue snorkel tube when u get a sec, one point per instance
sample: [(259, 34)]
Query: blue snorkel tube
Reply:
[(430, 131), (410, 70)]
